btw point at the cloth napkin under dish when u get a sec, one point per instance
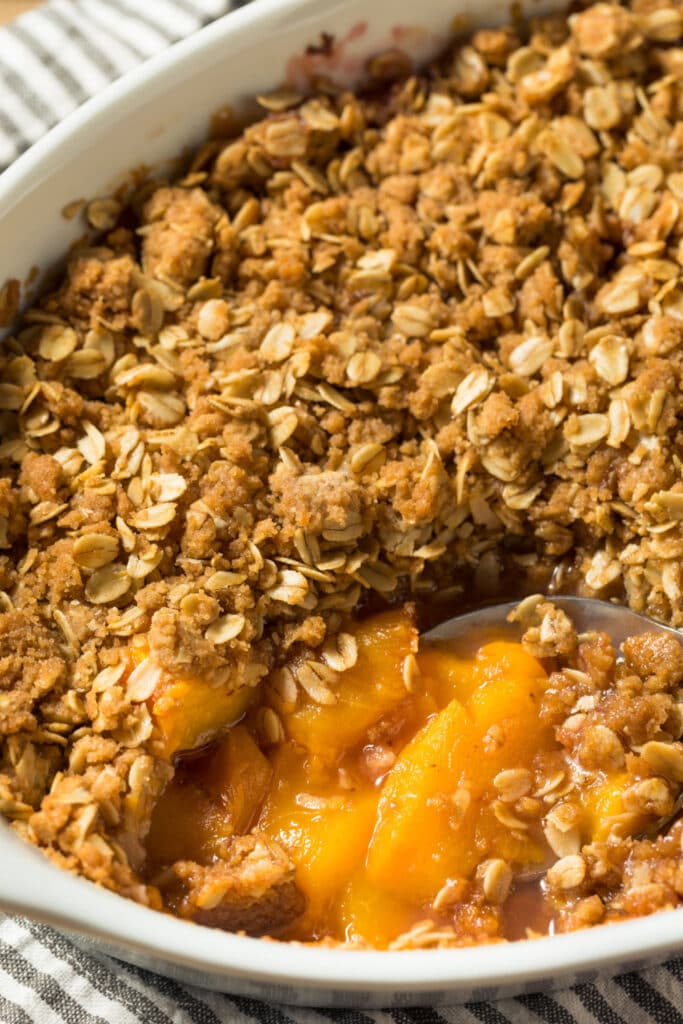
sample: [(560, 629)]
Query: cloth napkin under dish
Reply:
[(51, 60)]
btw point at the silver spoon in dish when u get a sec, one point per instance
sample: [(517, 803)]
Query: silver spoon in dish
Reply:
[(467, 632)]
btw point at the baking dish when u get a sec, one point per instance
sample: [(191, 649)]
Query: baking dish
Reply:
[(157, 111)]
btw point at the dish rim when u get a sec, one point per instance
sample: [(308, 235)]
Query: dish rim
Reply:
[(77, 905), (227, 955)]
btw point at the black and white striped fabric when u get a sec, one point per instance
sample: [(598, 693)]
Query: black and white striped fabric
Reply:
[(51, 59), (57, 55), (45, 979)]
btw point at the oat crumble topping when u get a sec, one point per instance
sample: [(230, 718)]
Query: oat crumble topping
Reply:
[(378, 346)]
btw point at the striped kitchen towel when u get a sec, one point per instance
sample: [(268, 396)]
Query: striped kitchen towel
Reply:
[(45, 979), (57, 55), (50, 61)]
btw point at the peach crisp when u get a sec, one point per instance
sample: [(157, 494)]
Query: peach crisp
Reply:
[(412, 801), (375, 359)]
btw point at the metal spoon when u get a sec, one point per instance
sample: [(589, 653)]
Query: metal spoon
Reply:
[(465, 633)]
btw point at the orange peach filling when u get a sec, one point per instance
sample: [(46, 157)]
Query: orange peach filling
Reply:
[(418, 776)]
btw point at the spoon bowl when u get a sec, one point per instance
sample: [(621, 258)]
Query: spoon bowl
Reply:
[(465, 633)]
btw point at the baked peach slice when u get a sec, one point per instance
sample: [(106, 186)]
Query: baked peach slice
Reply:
[(437, 815), (371, 688), (187, 712), (210, 801), (324, 829)]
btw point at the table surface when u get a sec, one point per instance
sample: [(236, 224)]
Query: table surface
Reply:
[(11, 8)]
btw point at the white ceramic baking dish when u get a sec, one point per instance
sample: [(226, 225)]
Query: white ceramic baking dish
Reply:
[(151, 115)]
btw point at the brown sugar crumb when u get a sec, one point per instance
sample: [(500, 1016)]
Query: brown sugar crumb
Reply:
[(394, 345), (32, 666), (252, 889), (658, 656), (179, 234)]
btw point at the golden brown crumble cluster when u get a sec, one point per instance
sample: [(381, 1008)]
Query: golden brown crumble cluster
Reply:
[(375, 343), (617, 716)]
